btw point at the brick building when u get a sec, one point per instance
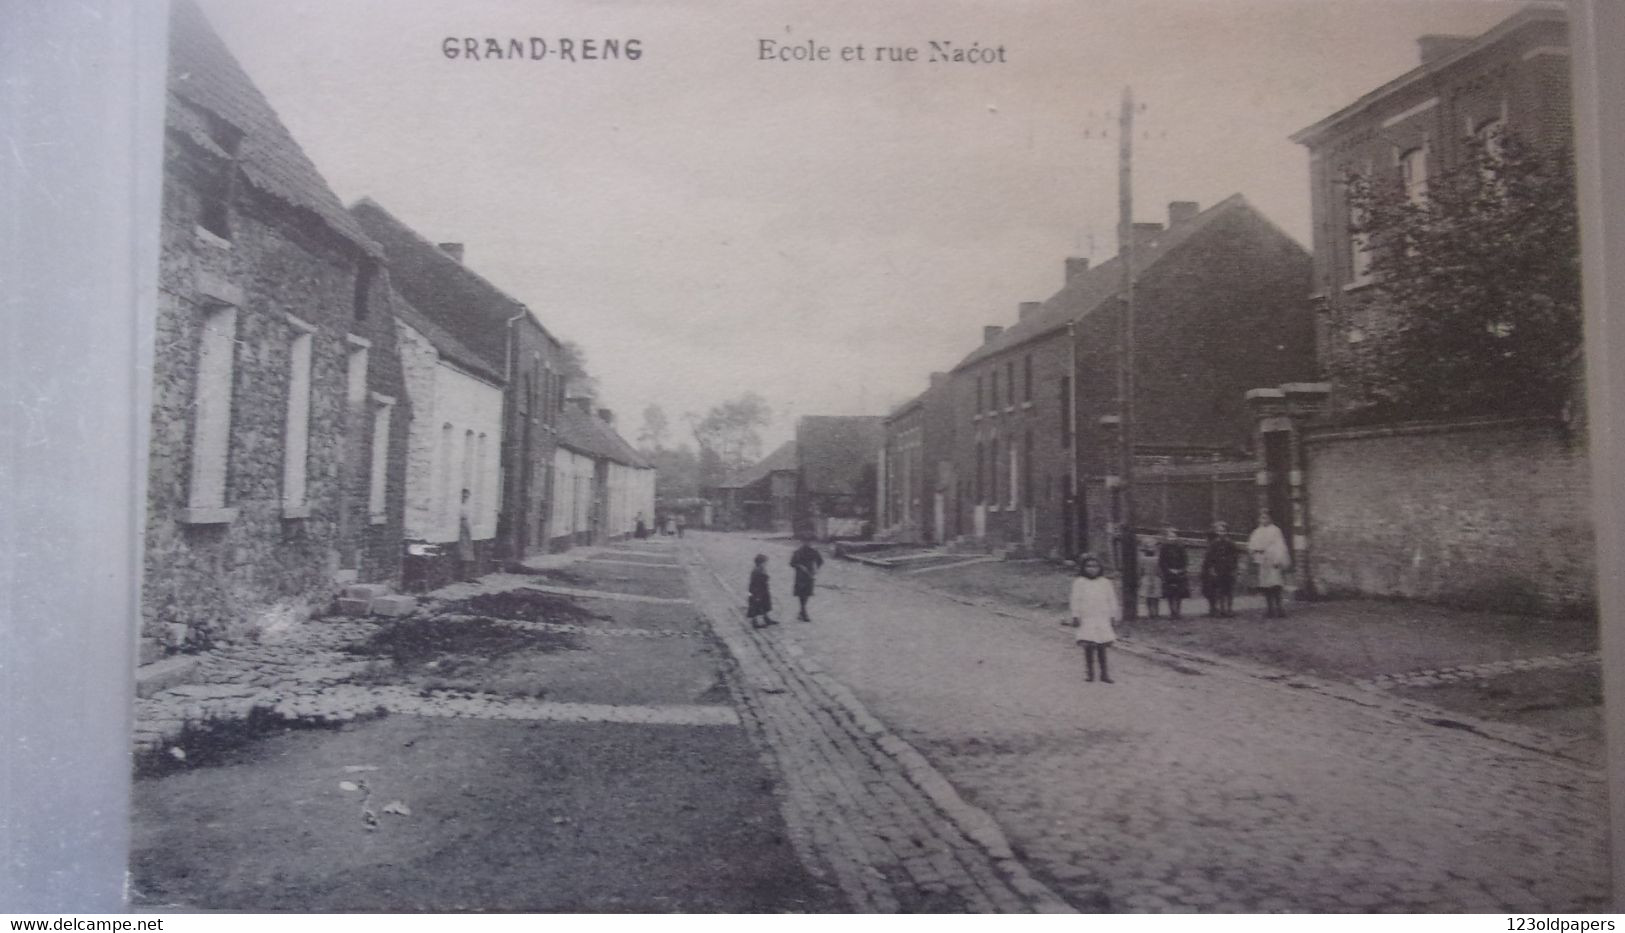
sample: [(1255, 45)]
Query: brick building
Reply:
[(510, 341), (1218, 310), (1466, 90), (1482, 511), (279, 420), (916, 467)]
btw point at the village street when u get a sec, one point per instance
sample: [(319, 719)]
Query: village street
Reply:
[(1193, 786), (606, 732)]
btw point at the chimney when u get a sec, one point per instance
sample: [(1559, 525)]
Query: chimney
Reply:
[(607, 416), (1181, 212), (990, 332), (583, 402), (1076, 266), (1146, 232), (1027, 309), (1435, 47), (454, 250)]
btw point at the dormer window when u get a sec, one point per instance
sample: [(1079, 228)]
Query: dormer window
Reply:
[(219, 180)]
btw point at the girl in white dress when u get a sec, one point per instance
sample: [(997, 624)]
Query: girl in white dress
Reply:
[(1094, 608)]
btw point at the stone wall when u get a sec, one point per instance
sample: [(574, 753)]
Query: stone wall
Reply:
[(254, 561), (1489, 513)]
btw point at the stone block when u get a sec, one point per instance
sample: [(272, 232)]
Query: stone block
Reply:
[(354, 605), (394, 605), (366, 590), (159, 676)]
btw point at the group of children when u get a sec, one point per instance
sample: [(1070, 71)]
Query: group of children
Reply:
[(759, 608), (1096, 608), (1094, 603)]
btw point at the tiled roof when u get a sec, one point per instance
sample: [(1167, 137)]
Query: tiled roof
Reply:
[(1099, 285), (588, 434), (449, 347), (441, 288), (781, 459), (203, 76), (833, 451)]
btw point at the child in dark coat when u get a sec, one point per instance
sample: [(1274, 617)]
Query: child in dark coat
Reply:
[(761, 601)]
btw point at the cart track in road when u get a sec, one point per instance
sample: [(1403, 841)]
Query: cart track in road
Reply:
[(861, 804)]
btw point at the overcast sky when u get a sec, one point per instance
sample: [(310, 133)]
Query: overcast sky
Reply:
[(825, 234)]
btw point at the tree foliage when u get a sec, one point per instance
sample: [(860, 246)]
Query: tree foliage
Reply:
[(729, 436), (656, 427), (1476, 285), (573, 367)]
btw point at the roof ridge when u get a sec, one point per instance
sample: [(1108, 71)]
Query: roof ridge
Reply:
[(1095, 277), (441, 254)]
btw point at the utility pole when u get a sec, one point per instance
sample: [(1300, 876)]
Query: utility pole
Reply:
[(1125, 357)]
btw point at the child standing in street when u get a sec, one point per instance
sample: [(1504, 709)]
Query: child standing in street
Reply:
[(761, 600), (1094, 609)]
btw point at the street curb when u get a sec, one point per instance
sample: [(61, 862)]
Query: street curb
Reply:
[(976, 824)]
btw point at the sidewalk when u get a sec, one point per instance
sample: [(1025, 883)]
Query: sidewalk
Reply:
[(1534, 672)]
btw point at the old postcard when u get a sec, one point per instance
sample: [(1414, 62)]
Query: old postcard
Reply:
[(836, 457)]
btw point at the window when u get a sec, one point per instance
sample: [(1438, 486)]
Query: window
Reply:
[(1359, 248), (211, 425), (1027, 467), (481, 488), (1013, 473), (448, 495), (468, 470), (979, 457), (1490, 135), (993, 472), (356, 370), (216, 186), (1010, 384), (1413, 173), (363, 287), (1066, 411), (296, 428), (993, 389), (980, 395), (1027, 378), (377, 504)]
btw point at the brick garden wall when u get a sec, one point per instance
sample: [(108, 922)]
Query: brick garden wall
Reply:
[(1491, 514)]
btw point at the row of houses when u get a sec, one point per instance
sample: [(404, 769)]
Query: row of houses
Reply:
[(335, 397), (1240, 337)]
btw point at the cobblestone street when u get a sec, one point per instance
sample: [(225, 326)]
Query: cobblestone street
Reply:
[(1189, 784), (921, 754)]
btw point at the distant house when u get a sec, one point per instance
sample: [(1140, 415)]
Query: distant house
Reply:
[(838, 477), (510, 340), (602, 485), (916, 467), (761, 497), (456, 431), (276, 469), (1035, 407)]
